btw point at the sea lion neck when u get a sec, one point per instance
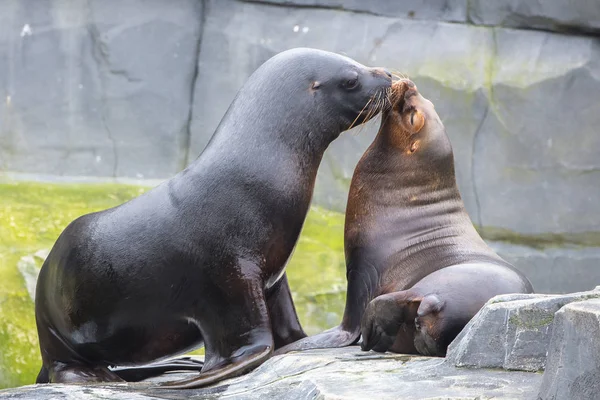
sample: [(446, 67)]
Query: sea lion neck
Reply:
[(421, 177), (260, 124)]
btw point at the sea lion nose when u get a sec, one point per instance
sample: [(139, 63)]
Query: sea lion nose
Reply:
[(382, 72), (411, 90)]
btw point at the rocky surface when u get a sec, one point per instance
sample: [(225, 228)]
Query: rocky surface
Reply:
[(29, 267), (555, 270), (439, 10), (573, 366), (97, 88), (561, 16), (498, 355), (325, 374), (511, 332), (530, 178)]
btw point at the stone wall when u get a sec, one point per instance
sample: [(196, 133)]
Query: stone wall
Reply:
[(135, 89)]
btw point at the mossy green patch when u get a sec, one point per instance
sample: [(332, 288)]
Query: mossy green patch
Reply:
[(532, 320), (543, 240), (317, 271), (32, 215)]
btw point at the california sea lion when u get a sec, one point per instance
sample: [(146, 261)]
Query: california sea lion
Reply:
[(201, 258), (414, 260)]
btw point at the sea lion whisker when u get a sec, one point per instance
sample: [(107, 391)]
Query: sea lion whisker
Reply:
[(390, 94), (400, 74), (372, 111), (359, 114)]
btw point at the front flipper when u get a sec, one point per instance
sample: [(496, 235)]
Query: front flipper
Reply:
[(236, 330), (362, 283), (388, 322)]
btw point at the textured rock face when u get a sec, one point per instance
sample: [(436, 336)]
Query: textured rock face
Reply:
[(531, 178), (555, 270), (97, 88), (573, 366), (511, 332), (442, 10), (325, 374), (136, 89), (91, 91), (579, 15)]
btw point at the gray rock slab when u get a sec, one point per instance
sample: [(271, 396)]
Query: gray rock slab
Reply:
[(97, 88), (511, 332), (554, 270), (573, 365), (555, 15), (346, 373), (29, 267), (536, 167), (442, 10)]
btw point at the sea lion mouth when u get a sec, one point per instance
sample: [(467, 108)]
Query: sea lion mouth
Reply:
[(378, 102), (405, 104), (401, 91)]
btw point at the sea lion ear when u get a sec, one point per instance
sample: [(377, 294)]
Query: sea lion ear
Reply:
[(431, 304), (315, 85)]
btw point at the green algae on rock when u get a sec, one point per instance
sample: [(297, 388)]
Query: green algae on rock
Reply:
[(33, 216)]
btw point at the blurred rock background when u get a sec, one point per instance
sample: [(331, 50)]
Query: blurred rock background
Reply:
[(135, 89)]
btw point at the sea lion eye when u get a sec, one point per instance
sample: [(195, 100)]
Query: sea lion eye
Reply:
[(412, 117), (350, 83)]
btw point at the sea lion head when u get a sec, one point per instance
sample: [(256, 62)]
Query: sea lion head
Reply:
[(412, 126), (307, 96), (354, 93)]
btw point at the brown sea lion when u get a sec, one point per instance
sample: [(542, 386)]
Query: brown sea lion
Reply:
[(201, 258), (417, 269)]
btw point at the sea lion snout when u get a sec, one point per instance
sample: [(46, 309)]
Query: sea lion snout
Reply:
[(408, 106), (381, 72)]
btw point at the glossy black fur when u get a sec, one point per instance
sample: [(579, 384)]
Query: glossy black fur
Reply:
[(201, 258)]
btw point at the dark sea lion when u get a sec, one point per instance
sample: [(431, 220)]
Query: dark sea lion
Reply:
[(201, 258), (414, 260)]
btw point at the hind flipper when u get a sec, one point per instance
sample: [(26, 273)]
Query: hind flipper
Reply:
[(136, 374), (77, 373)]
